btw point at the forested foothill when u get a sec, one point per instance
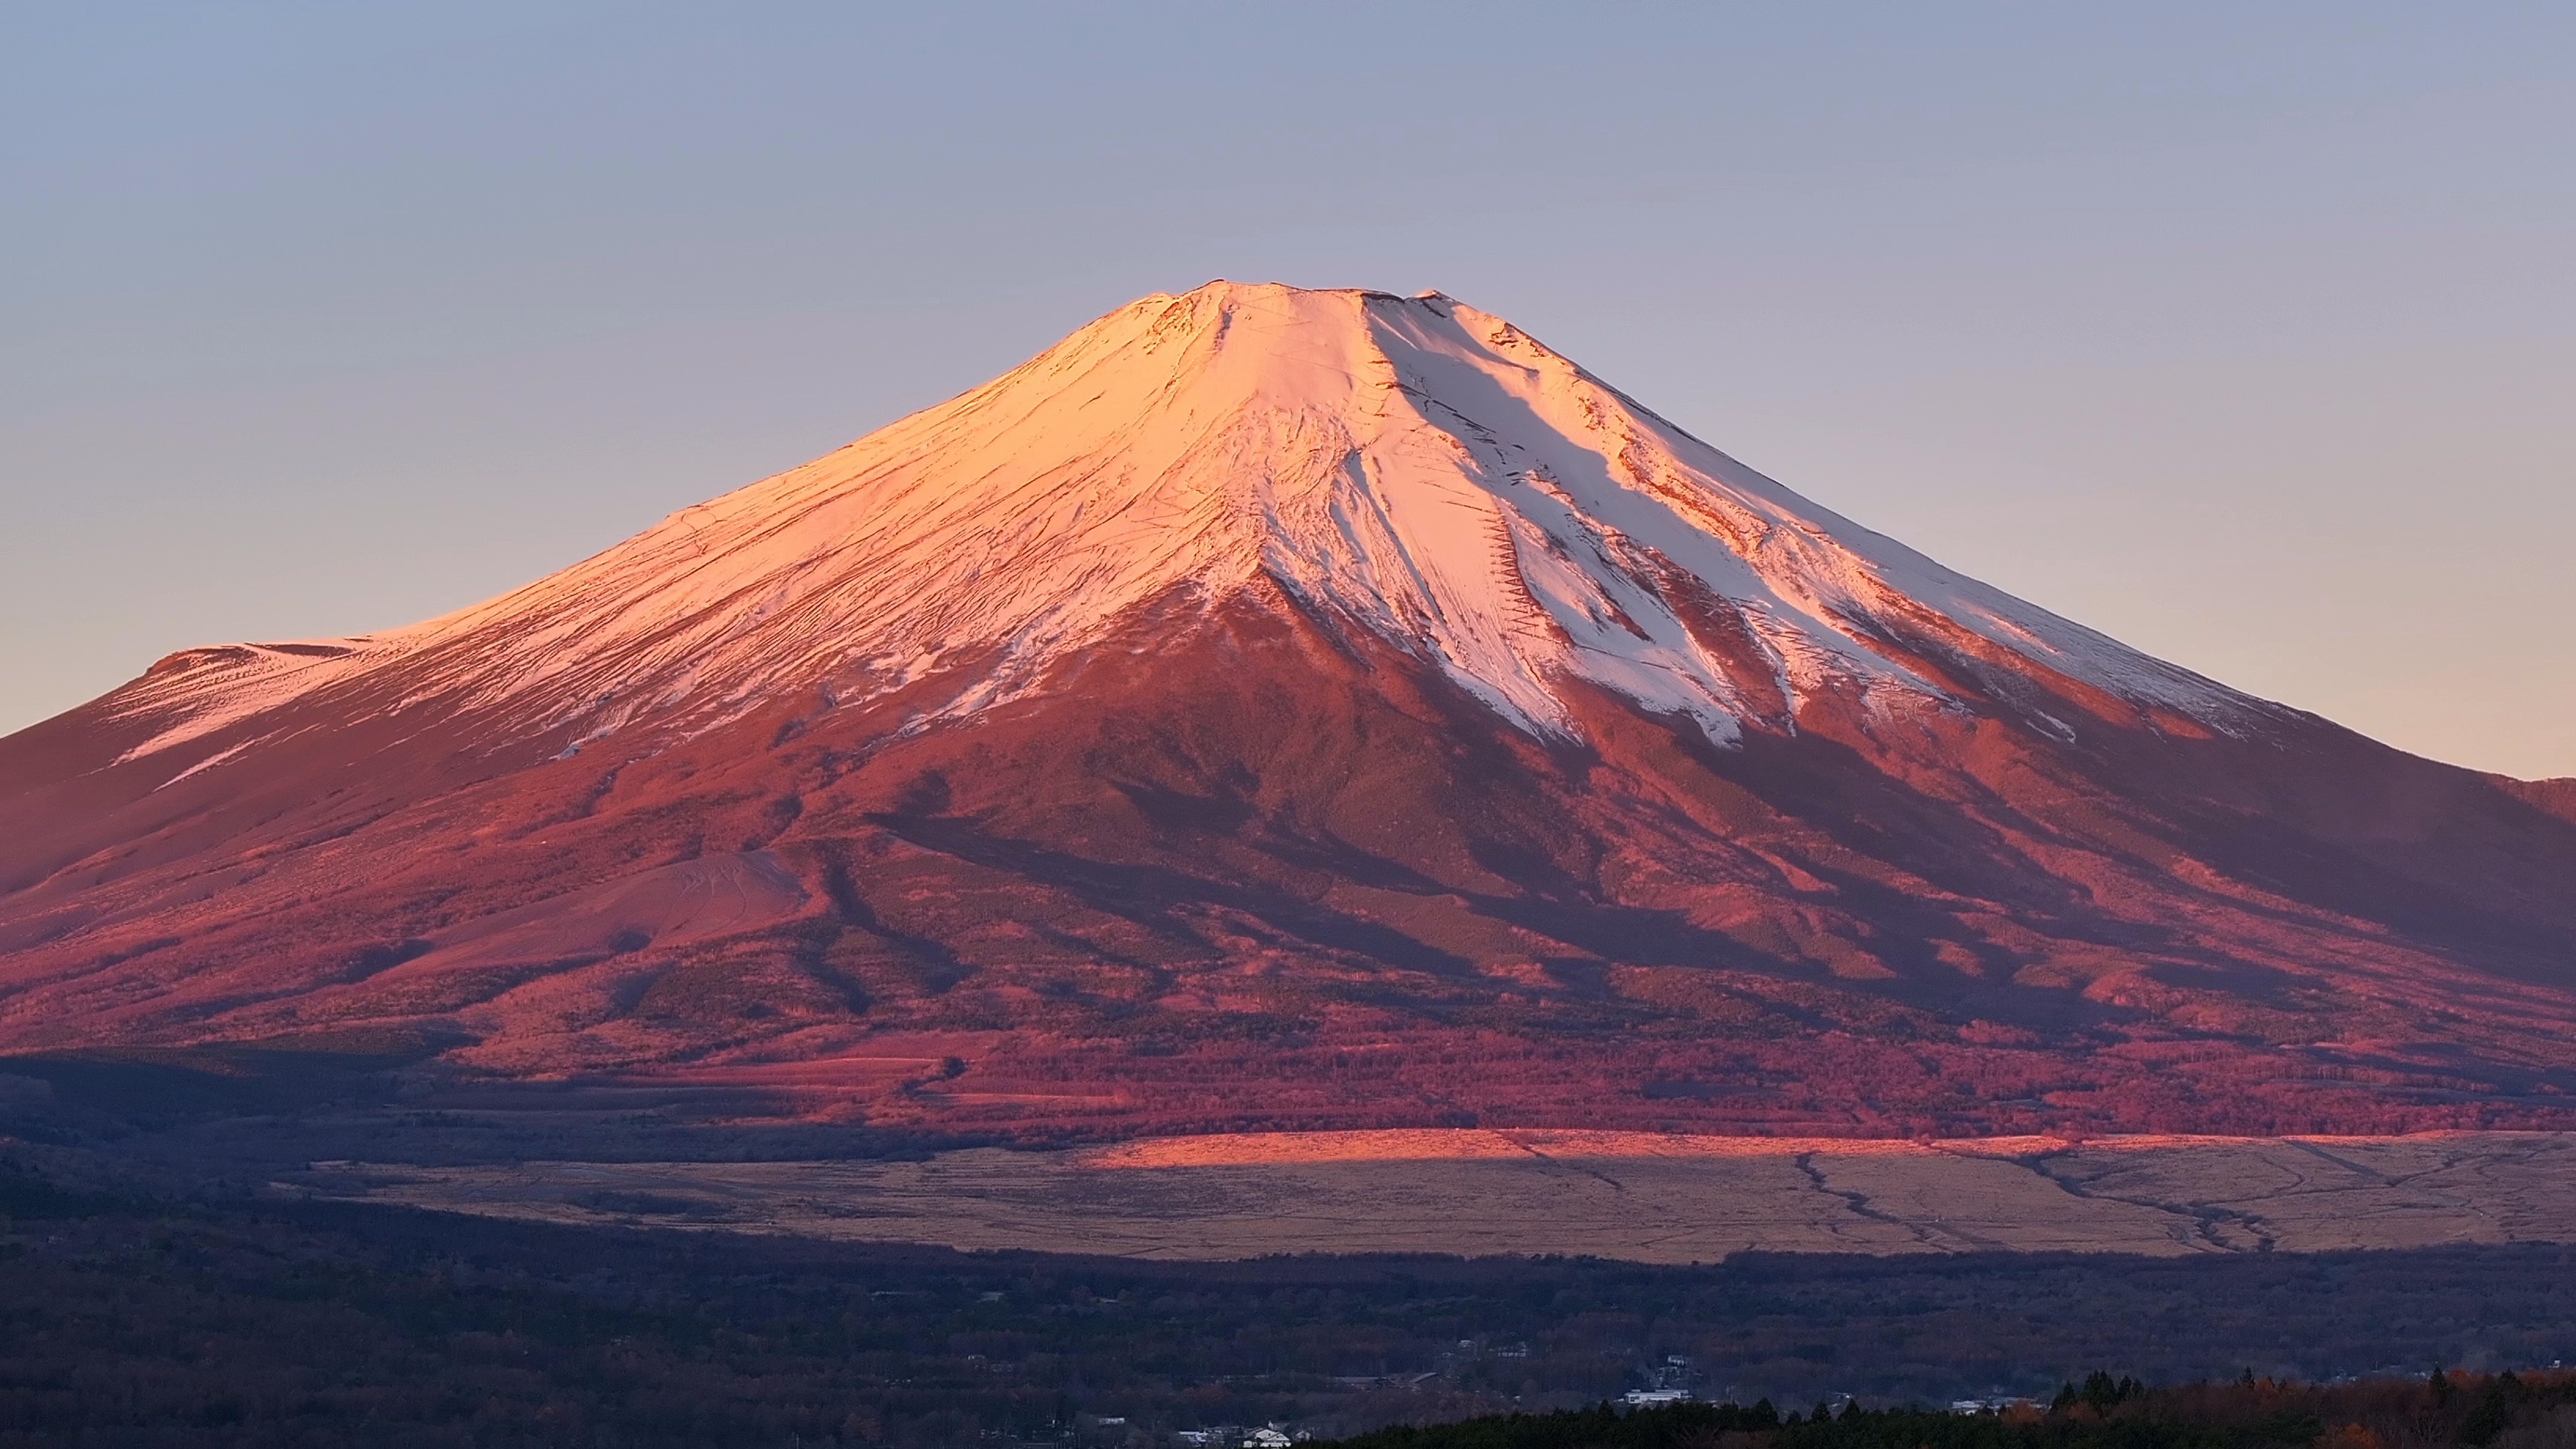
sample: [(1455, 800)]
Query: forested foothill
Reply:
[(132, 1313), (2505, 1410)]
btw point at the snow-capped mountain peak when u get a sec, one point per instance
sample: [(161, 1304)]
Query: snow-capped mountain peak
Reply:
[(1275, 707), (1408, 466)]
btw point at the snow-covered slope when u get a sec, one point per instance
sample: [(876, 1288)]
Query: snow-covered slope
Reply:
[(1408, 466)]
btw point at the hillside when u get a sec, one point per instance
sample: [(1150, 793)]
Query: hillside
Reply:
[(1282, 709)]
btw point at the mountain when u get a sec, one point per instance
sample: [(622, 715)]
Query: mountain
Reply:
[(1291, 708)]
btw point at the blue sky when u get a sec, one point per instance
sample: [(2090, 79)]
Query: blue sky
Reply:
[(2242, 332)]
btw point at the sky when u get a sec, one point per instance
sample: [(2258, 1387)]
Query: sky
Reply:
[(2243, 333)]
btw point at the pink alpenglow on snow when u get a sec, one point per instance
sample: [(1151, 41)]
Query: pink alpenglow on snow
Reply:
[(1411, 466)]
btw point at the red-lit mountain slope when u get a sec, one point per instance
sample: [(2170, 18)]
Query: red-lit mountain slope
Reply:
[(1281, 708)]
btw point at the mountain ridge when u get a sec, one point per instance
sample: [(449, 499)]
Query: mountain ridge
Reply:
[(1278, 709)]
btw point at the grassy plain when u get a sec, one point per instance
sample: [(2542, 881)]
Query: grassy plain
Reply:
[(1636, 1197)]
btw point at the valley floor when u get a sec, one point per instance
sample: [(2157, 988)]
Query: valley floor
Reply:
[(132, 1317), (1630, 1196)]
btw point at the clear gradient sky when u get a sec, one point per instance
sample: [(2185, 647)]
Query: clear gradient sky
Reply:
[(2244, 332)]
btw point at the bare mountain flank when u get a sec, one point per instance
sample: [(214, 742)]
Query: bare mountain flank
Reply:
[(1277, 708)]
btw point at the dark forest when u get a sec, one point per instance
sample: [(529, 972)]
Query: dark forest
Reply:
[(136, 1317)]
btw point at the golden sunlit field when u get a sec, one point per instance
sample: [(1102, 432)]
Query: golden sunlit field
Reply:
[(1634, 1196)]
